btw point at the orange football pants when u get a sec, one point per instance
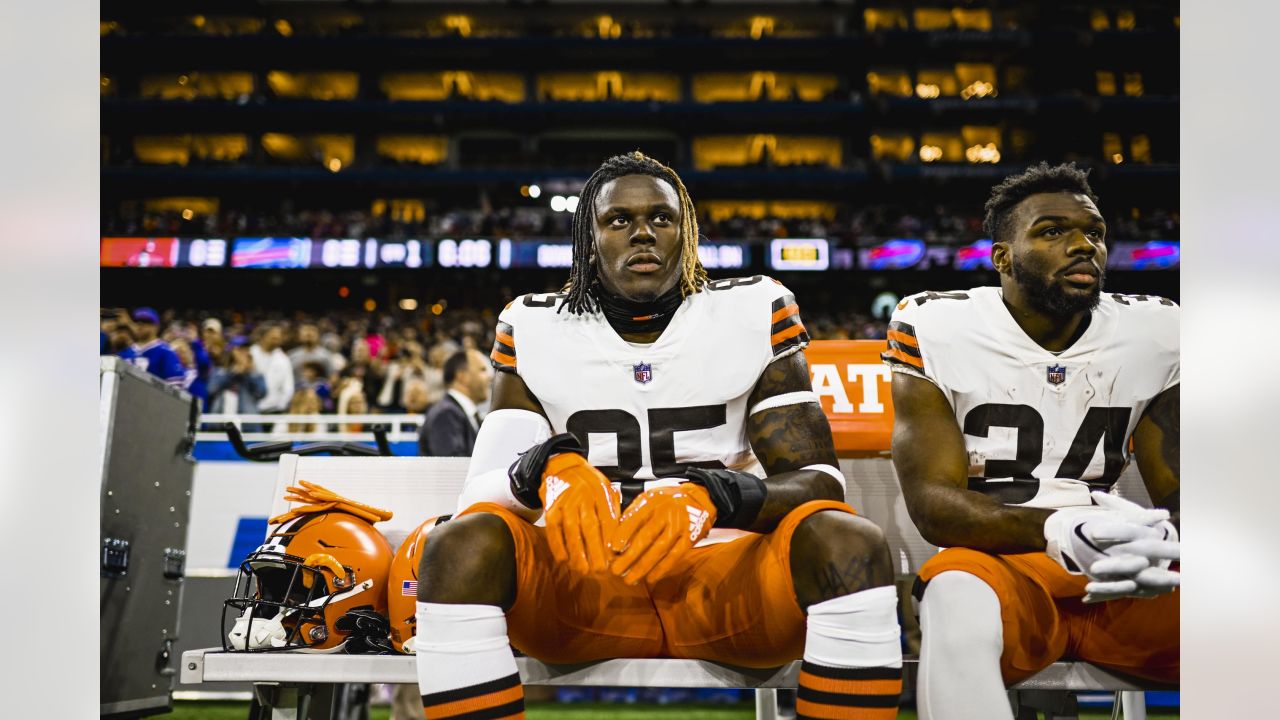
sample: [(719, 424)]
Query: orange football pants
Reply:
[(731, 602), (1046, 620)]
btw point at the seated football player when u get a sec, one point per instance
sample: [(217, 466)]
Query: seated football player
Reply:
[(1015, 407), (656, 479)]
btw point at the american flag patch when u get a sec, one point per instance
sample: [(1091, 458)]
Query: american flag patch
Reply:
[(409, 587)]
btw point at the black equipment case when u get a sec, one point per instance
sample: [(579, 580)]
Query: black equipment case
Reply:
[(147, 435)]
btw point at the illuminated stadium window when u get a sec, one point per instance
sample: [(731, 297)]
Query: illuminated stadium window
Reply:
[(608, 85), (419, 149), (972, 19), (719, 210), (109, 27), (762, 85), (457, 25), (314, 85), (404, 210), (1112, 149), (1133, 84), (225, 25), (890, 145), (1125, 20), (188, 207), (106, 88), (740, 150), (318, 23), (333, 152), (189, 86), (1099, 20), (182, 149), (1140, 149), (941, 147), (602, 27), (889, 82), (1106, 83), (981, 143), (760, 27), (976, 80), (884, 19), (453, 84), (928, 19), (932, 83)]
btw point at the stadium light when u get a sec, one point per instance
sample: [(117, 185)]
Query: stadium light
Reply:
[(408, 304), (558, 203), (571, 204), (535, 191)]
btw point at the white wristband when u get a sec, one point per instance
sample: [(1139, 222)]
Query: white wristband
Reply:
[(791, 398), (831, 470)]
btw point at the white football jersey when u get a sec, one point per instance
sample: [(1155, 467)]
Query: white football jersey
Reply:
[(647, 411), (1041, 429)]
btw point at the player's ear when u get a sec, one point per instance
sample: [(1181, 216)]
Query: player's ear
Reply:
[(1001, 256)]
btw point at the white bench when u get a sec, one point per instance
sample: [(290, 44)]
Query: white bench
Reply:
[(295, 686)]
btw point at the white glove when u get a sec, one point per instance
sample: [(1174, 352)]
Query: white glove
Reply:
[(1124, 548)]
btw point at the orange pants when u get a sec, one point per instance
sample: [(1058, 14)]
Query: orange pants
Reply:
[(1045, 619), (731, 602)]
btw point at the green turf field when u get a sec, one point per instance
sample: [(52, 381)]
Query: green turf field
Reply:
[(583, 711)]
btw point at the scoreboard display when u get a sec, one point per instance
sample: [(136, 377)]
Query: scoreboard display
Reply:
[(784, 254), (799, 254)]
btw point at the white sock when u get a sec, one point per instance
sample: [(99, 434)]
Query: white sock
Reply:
[(855, 631), (963, 638), (461, 646)]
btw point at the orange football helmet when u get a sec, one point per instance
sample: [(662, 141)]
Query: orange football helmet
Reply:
[(311, 571), (402, 586)]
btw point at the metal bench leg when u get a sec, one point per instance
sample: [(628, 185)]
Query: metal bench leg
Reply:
[(282, 702), (766, 704), (1133, 703)]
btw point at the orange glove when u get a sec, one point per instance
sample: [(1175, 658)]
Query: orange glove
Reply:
[(581, 511), (658, 528)]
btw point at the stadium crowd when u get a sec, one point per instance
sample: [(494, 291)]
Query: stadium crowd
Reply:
[(932, 223), (341, 363)]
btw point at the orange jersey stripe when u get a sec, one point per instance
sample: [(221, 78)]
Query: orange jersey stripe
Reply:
[(503, 358), (903, 338), (897, 354), (819, 711), (786, 334), (787, 311), (506, 339), (481, 702), (852, 687)]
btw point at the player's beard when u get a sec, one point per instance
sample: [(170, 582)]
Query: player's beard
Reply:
[(1049, 297)]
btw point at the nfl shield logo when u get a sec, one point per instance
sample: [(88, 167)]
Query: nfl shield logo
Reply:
[(1057, 374), (643, 372)]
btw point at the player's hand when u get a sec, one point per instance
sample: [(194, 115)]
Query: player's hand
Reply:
[(658, 528), (1123, 548), (581, 511)]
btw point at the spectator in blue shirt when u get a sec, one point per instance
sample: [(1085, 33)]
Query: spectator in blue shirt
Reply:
[(151, 353)]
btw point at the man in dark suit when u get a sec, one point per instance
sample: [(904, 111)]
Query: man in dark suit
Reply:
[(451, 424)]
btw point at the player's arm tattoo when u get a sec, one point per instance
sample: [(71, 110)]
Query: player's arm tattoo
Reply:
[(786, 439), (1157, 446)]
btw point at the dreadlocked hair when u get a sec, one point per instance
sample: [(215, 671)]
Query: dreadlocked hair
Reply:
[(582, 278), (1039, 178)]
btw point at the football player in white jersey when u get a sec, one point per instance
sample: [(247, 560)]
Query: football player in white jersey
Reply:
[(632, 414), (1014, 411)]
